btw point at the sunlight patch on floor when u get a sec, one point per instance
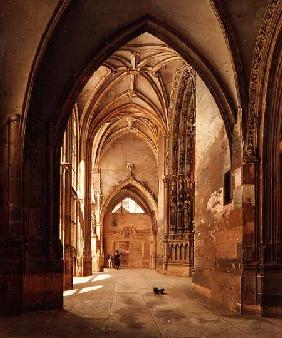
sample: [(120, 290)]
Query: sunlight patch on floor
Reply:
[(90, 288), (101, 277), (81, 280), (69, 292)]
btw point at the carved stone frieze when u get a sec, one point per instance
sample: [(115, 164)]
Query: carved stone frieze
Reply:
[(259, 62), (128, 232), (179, 252), (180, 164)]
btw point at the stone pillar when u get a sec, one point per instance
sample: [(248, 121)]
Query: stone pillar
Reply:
[(191, 253), (14, 175), (30, 252), (43, 269), (87, 262), (87, 222), (99, 230), (66, 216), (166, 222), (12, 243), (153, 243), (249, 259), (68, 268)]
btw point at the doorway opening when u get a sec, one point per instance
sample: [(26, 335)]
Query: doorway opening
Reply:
[(143, 160)]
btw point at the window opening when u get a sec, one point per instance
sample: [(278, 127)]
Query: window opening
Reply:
[(227, 187), (128, 205)]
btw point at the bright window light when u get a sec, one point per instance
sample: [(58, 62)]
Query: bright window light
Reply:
[(128, 206)]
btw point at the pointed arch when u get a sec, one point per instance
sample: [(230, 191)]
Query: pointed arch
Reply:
[(181, 251), (44, 124), (173, 39), (54, 116), (176, 252), (172, 252), (143, 192), (186, 252)]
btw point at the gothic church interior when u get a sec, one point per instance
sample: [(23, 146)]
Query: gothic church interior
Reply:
[(153, 129)]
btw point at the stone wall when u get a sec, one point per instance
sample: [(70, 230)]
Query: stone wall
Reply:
[(128, 148), (218, 229)]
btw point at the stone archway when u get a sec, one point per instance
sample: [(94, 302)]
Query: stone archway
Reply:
[(270, 191), (132, 233), (43, 135)]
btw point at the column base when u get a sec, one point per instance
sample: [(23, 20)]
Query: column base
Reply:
[(270, 290), (177, 270), (68, 268), (31, 292), (11, 294), (87, 266), (43, 291)]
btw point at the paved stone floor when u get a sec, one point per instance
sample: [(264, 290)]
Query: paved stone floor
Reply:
[(122, 304)]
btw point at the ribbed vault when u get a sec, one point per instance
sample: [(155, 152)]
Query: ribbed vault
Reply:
[(129, 93)]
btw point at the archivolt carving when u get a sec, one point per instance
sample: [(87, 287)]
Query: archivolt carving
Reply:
[(181, 148), (257, 73), (173, 94)]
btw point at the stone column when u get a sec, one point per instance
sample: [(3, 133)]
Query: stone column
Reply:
[(98, 220), (12, 243), (249, 254), (166, 221), (66, 216), (63, 210), (99, 230)]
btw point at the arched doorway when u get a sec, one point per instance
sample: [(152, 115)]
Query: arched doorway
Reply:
[(129, 224), (128, 228), (146, 113)]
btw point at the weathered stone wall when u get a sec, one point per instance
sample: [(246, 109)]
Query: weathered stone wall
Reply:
[(131, 234), (128, 148), (217, 226)]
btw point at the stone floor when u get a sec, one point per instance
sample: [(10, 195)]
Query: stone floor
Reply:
[(122, 304)]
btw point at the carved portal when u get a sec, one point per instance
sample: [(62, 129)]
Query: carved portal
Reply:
[(180, 180)]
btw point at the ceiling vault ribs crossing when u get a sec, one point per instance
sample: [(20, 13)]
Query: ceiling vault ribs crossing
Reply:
[(133, 92), (129, 93)]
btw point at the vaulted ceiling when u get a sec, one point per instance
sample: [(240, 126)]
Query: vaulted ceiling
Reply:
[(130, 93)]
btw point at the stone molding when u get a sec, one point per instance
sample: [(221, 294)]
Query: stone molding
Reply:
[(263, 42), (231, 42)]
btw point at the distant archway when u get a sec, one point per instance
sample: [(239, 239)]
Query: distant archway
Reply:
[(132, 233)]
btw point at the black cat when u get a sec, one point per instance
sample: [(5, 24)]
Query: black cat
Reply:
[(158, 291)]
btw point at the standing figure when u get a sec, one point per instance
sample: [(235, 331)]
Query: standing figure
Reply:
[(110, 260), (117, 259)]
